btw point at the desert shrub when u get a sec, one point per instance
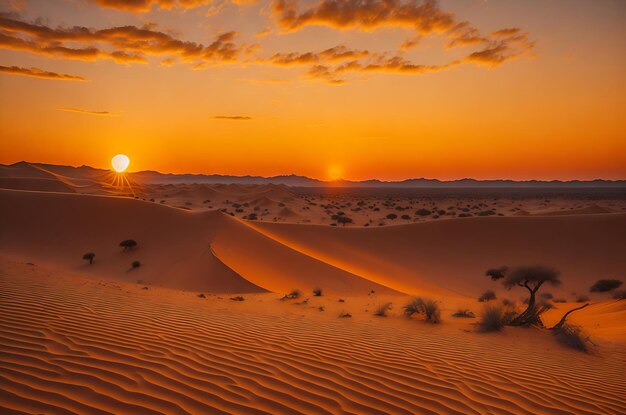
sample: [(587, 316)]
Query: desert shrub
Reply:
[(572, 336), (341, 300), (237, 298), (252, 216), (89, 256), (496, 273), (201, 295), (128, 244), (317, 292), (487, 296), (135, 264), (486, 213), (345, 315), (343, 220), (582, 298), (493, 318), (464, 314), (424, 306), (381, 311), (605, 285), (423, 212), (292, 295), (405, 217), (392, 216), (559, 300)]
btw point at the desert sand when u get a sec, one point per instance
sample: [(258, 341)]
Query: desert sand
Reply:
[(167, 337)]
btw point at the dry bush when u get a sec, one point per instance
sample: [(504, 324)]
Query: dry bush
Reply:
[(317, 292), (572, 336), (345, 315), (427, 307), (605, 285), (292, 295), (381, 311), (487, 296), (494, 317), (464, 314), (237, 298)]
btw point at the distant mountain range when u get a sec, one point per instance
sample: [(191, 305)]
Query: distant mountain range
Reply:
[(148, 176)]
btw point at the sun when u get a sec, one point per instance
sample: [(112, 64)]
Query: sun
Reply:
[(120, 162), (334, 173)]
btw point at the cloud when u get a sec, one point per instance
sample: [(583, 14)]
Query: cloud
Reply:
[(424, 16), (124, 44), (334, 54), (40, 73), (87, 112), (232, 117), (140, 6)]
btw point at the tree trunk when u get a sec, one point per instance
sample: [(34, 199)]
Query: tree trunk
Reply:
[(524, 318), (562, 321)]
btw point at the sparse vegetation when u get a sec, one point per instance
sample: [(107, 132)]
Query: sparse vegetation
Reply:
[(135, 264), (572, 336), (602, 286), (345, 315), (494, 317), (292, 295), (237, 298), (381, 311), (423, 212), (392, 216), (426, 307), (464, 314), (89, 256), (487, 296), (201, 295), (496, 273), (128, 244), (317, 292), (529, 277)]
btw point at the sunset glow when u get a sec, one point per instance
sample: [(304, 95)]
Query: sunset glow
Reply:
[(520, 90)]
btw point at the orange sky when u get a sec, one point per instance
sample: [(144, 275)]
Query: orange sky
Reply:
[(327, 89)]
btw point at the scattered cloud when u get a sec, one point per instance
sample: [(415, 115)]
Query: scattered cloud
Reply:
[(232, 117), (424, 16), (133, 44), (40, 73), (141, 6), (87, 112), (124, 44)]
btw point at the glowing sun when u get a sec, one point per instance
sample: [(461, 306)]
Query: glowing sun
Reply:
[(120, 162)]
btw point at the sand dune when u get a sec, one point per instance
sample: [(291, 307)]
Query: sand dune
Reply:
[(453, 255), (76, 345), (176, 248)]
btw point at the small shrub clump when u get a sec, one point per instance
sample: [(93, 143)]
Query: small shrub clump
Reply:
[(464, 314), (317, 292), (572, 336), (602, 286), (426, 307), (487, 296), (292, 295), (381, 311)]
